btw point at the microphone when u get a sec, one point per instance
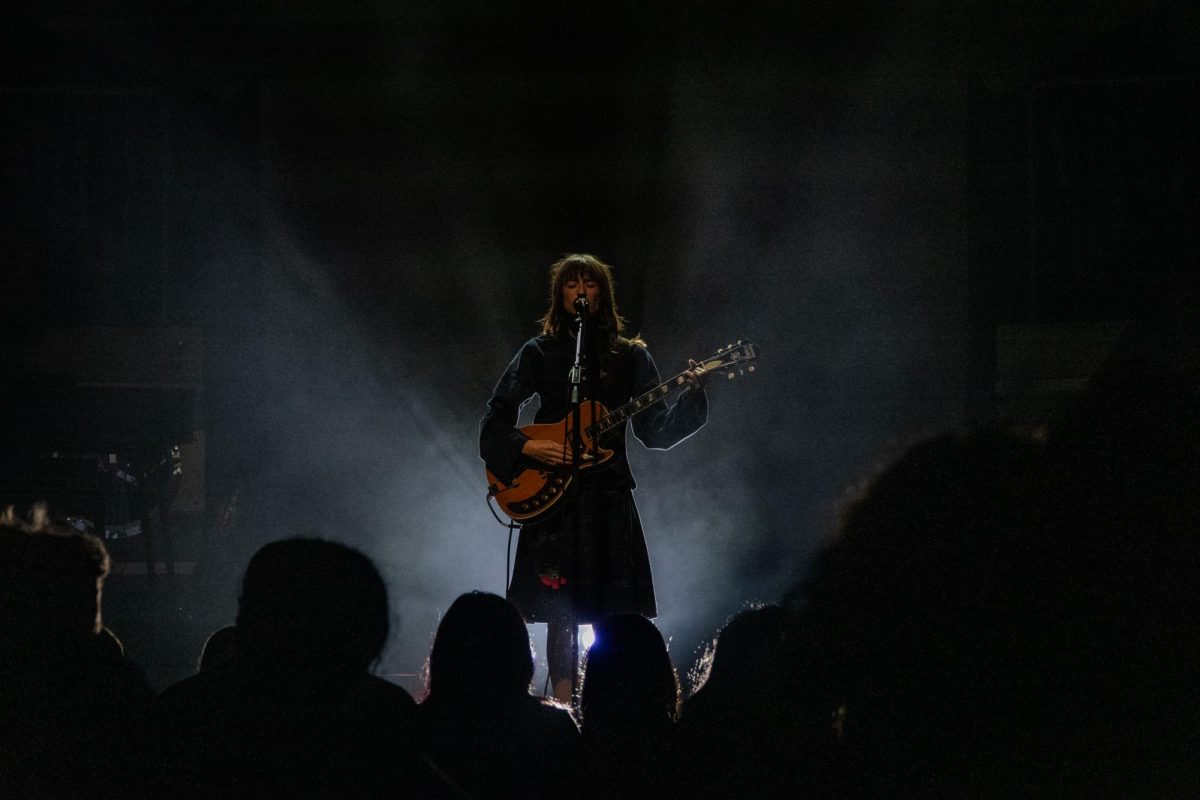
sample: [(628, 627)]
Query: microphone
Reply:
[(581, 305)]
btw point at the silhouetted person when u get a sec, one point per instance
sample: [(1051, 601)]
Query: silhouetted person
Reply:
[(296, 711), (629, 702), (219, 647), (72, 709), (997, 627), (920, 605), (479, 723), (747, 726)]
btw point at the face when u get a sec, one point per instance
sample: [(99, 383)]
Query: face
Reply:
[(581, 286)]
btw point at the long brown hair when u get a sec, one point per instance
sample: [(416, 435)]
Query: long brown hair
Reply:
[(584, 266)]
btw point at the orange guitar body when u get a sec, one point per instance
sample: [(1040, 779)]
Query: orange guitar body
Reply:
[(537, 490)]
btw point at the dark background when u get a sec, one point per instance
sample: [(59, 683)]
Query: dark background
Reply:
[(356, 203)]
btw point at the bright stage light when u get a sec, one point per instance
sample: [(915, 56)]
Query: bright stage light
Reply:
[(586, 637)]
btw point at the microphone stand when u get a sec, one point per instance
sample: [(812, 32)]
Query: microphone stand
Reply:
[(576, 381)]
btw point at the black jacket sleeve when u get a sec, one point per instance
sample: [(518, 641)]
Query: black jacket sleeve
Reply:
[(663, 426), (499, 440)]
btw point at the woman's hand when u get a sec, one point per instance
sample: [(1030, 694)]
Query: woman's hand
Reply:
[(547, 451), (696, 375)]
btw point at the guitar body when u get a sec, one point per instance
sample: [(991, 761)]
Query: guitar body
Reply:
[(536, 491)]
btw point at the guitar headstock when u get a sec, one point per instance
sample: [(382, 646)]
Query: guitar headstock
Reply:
[(733, 359)]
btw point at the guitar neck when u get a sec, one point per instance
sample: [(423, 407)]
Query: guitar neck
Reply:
[(614, 419)]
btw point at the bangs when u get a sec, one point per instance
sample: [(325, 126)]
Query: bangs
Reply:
[(584, 269)]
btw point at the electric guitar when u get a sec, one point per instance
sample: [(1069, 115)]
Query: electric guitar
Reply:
[(536, 491)]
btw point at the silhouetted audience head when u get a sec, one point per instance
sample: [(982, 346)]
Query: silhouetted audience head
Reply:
[(220, 647), (313, 602), (479, 723), (992, 628), (629, 681), (51, 576), (481, 649), (750, 726), (71, 707), (920, 607), (756, 653), (294, 710)]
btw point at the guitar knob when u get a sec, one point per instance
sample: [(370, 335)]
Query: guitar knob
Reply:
[(730, 376), (750, 368)]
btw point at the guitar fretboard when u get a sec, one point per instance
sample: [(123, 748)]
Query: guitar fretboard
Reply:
[(616, 418)]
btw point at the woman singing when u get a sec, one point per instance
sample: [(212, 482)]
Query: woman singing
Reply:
[(587, 559)]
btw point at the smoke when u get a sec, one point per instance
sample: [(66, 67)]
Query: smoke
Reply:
[(374, 361), (385, 256), (359, 445), (812, 217)]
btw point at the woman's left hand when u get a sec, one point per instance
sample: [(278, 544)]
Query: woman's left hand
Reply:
[(696, 375)]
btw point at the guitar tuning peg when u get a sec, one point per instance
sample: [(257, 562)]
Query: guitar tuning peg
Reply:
[(728, 347)]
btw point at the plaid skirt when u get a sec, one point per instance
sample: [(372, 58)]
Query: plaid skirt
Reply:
[(604, 571)]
